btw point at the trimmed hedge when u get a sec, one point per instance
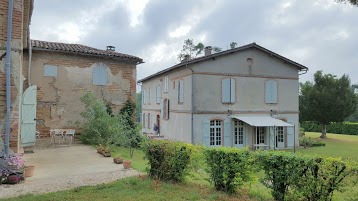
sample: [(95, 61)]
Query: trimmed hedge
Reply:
[(168, 160), (228, 168), (338, 128)]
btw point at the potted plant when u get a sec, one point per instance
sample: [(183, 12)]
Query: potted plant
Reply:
[(127, 164), (118, 160), (106, 152), (99, 149), (29, 170)]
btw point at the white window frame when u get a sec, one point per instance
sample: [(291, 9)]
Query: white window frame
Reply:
[(216, 131), (261, 136), (280, 134), (238, 132)]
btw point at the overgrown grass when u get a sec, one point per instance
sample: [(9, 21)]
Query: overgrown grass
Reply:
[(138, 188)]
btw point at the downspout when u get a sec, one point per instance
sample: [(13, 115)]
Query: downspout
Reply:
[(192, 103), (8, 77), (30, 60)]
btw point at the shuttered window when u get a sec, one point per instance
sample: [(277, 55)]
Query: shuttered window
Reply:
[(165, 108), (271, 91), (158, 94), (148, 96), (228, 89), (181, 91), (99, 75), (143, 97), (166, 84), (143, 120), (50, 71)]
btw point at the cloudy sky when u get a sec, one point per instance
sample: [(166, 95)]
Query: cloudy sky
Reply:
[(319, 34)]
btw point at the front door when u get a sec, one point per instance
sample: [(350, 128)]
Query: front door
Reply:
[(238, 134), (280, 137), (28, 117)]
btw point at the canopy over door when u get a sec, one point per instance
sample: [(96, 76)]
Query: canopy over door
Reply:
[(261, 121)]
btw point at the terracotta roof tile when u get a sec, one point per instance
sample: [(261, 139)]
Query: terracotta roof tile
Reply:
[(79, 49)]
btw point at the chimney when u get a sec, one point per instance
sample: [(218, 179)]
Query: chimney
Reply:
[(207, 50), (111, 48)]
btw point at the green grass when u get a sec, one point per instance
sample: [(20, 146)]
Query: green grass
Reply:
[(138, 161), (137, 188)]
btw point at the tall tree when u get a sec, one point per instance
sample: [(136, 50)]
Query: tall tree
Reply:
[(138, 105), (328, 99), (189, 48), (352, 2), (354, 116), (233, 45)]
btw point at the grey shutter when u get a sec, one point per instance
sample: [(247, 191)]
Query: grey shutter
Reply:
[(232, 90), (99, 75), (158, 93), (227, 134), (143, 96), (206, 133), (290, 135), (225, 90), (167, 109), (148, 96), (181, 91), (162, 108), (145, 120), (50, 71), (271, 91)]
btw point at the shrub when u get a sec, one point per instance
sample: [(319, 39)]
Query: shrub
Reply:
[(339, 128), (281, 171), (228, 168), (11, 169), (168, 161), (309, 142)]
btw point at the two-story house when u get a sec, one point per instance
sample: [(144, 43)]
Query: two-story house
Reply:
[(246, 96)]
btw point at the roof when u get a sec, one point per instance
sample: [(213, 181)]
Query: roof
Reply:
[(261, 120), (80, 49), (223, 53)]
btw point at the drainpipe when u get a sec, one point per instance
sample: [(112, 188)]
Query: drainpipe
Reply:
[(8, 77), (192, 103), (30, 59)]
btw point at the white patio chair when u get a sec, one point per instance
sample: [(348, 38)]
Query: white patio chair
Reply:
[(69, 134), (56, 133)]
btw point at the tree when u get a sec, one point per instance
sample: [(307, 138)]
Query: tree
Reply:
[(190, 49), (233, 45), (354, 116), (138, 105), (352, 2), (328, 99)]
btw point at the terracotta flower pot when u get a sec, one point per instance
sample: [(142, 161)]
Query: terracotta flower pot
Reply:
[(106, 154), (29, 170), (99, 149), (118, 160), (127, 164)]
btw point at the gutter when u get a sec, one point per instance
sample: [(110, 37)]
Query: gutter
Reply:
[(192, 103), (304, 72), (8, 77)]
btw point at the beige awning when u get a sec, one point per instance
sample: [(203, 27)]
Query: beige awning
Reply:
[(262, 121)]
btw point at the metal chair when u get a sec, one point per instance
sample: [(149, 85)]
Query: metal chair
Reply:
[(56, 133), (69, 134)]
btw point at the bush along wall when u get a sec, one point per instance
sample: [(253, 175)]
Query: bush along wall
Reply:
[(228, 167), (339, 128), (296, 177), (168, 161)]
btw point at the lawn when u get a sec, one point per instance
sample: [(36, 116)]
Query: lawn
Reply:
[(196, 187)]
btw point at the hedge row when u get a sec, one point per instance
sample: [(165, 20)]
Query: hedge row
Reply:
[(339, 128), (289, 176)]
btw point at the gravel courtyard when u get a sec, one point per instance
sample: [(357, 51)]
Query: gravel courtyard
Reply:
[(66, 167)]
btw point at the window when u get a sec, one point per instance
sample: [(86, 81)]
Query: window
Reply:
[(158, 94), (238, 132), (181, 91), (166, 84), (99, 75), (228, 90), (148, 125), (164, 111), (215, 133), (260, 135), (50, 71), (271, 91), (143, 120), (143, 96), (280, 133)]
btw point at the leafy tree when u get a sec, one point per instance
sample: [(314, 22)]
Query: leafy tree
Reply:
[(328, 99), (354, 116), (189, 48), (352, 2), (217, 49), (233, 45)]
